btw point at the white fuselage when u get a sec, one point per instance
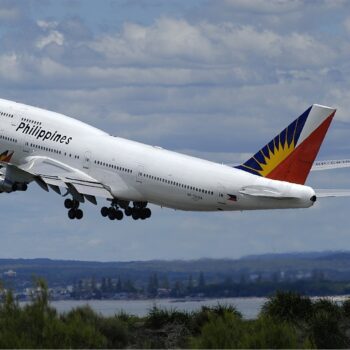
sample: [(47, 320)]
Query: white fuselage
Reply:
[(135, 171)]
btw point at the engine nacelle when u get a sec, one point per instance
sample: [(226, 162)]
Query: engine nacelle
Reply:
[(6, 186)]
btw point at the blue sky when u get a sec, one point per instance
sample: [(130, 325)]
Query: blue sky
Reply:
[(215, 79)]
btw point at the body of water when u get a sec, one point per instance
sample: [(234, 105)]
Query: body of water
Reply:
[(249, 307)]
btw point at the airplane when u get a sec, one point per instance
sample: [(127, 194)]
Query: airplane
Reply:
[(58, 152)]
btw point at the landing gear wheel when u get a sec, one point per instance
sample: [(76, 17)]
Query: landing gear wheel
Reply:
[(119, 215), (128, 211), (71, 214), (76, 204), (79, 214), (104, 211), (111, 214), (143, 214), (68, 203), (147, 212), (135, 214)]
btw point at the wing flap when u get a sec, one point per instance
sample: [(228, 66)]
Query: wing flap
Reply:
[(47, 171)]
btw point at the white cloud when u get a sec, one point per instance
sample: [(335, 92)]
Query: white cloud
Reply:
[(262, 6), (172, 42), (53, 37), (217, 86)]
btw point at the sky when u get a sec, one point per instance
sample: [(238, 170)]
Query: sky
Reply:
[(215, 79)]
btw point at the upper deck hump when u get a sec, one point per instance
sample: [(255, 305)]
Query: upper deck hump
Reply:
[(50, 115)]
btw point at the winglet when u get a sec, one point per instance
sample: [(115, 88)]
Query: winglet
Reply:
[(290, 155)]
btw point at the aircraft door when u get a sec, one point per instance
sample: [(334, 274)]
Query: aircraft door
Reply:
[(221, 194), (87, 160), (26, 148), (140, 173)]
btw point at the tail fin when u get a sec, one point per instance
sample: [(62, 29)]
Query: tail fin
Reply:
[(290, 155)]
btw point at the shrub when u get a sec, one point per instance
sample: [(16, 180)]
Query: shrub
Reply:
[(223, 332), (289, 307), (268, 333), (327, 325)]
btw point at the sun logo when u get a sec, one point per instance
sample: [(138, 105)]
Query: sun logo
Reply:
[(276, 151), (281, 150)]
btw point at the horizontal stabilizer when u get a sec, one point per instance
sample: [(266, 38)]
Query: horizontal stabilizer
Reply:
[(325, 193), (331, 164)]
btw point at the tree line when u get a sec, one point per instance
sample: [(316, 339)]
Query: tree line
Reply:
[(160, 286), (286, 320)]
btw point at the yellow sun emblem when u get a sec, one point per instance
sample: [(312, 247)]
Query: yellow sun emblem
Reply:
[(280, 152)]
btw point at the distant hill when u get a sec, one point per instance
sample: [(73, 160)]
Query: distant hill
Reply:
[(334, 265)]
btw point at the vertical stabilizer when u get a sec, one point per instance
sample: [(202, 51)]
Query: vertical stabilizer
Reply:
[(290, 155)]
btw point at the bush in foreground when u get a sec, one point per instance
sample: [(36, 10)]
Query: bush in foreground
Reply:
[(287, 320)]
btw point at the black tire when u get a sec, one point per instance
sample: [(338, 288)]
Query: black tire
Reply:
[(24, 187), (119, 215), (143, 214), (135, 214), (71, 214), (111, 214), (128, 211), (104, 211), (148, 213), (79, 214), (76, 204), (68, 203)]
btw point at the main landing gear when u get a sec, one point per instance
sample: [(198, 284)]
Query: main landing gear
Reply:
[(74, 212), (116, 210), (112, 213), (138, 211)]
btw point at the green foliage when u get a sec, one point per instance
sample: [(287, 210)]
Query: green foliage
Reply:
[(287, 320), (158, 317), (200, 318), (288, 307), (229, 331), (346, 308), (327, 325), (321, 323), (268, 333), (166, 328), (220, 331)]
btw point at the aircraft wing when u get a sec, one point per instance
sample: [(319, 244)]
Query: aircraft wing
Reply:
[(324, 193), (330, 164), (50, 173)]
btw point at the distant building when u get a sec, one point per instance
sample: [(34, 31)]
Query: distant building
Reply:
[(10, 273)]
